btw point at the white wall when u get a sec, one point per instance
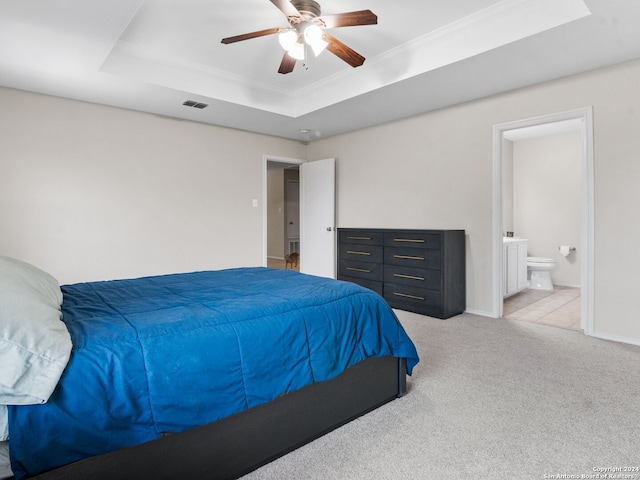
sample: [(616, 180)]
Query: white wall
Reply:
[(435, 171), (91, 192), (547, 173)]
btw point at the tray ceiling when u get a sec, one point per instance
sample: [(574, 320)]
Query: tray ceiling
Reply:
[(154, 55)]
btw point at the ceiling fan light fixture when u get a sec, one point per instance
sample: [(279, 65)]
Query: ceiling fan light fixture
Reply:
[(292, 43), (297, 51), (318, 46), (288, 39), (313, 35)]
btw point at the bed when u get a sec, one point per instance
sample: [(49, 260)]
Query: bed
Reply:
[(197, 375)]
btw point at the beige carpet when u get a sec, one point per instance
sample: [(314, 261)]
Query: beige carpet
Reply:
[(490, 399)]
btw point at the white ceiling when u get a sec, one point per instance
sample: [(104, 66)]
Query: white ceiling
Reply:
[(152, 55)]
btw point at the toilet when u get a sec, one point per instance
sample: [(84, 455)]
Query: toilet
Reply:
[(539, 272)]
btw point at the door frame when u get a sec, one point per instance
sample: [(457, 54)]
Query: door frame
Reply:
[(265, 230), (587, 209)]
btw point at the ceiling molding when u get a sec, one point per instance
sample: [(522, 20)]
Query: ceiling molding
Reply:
[(501, 24)]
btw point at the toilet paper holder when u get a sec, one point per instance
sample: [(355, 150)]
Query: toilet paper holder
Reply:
[(566, 250)]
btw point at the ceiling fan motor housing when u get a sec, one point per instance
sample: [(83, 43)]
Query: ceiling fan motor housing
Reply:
[(308, 8)]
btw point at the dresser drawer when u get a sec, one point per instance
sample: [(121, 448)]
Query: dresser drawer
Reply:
[(413, 257), (361, 253), (413, 277), (365, 270), (360, 237), (418, 300), (413, 239)]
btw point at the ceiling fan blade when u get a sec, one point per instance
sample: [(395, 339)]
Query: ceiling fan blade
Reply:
[(247, 36), (287, 64), (342, 51), (286, 7), (349, 19)]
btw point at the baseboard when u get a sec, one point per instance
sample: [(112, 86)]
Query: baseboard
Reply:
[(565, 285), (600, 335), (480, 313), (275, 258), (616, 338)]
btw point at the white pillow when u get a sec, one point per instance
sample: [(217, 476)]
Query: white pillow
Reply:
[(34, 343)]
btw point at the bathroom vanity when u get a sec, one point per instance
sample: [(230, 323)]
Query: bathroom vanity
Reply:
[(514, 265)]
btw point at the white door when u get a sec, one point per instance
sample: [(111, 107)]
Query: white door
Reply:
[(317, 218)]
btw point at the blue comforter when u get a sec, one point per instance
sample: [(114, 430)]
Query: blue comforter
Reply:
[(167, 353)]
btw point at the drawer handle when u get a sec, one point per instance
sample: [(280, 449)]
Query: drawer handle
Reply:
[(410, 277), (353, 252), (414, 297), (358, 270), (359, 238), (408, 257), (409, 240)]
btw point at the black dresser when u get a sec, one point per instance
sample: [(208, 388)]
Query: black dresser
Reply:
[(421, 271)]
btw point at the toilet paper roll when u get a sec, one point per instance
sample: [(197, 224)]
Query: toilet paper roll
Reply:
[(565, 250)]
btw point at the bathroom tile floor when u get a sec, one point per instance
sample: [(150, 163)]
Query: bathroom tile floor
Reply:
[(559, 308)]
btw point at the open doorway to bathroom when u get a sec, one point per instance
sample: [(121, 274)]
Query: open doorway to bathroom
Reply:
[(545, 196)]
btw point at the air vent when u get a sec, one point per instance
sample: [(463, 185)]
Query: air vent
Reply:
[(191, 103)]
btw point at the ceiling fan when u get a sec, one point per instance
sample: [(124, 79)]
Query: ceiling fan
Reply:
[(307, 28)]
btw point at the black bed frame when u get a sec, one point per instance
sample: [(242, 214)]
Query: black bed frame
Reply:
[(236, 445)]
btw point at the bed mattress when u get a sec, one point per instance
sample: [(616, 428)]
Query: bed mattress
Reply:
[(168, 353)]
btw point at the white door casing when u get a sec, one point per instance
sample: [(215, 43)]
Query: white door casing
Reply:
[(587, 242), (269, 160)]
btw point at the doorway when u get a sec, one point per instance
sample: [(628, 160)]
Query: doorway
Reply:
[(281, 211), (579, 121), (317, 213)]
